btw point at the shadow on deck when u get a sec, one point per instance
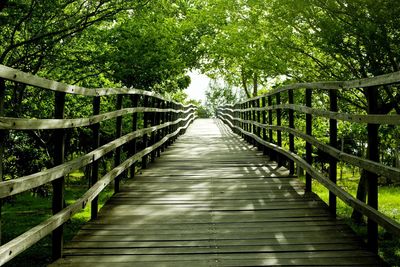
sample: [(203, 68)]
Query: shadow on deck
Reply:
[(213, 200)]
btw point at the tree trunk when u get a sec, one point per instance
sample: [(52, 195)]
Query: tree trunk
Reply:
[(244, 83), (255, 84)]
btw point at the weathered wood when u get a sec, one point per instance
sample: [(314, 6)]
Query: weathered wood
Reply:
[(174, 215), (133, 144), (270, 122), (333, 106), (34, 80), (291, 125), (386, 222), (43, 124), (58, 184), (118, 133), (95, 165), (3, 135), (372, 177), (369, 165), (264, 121), (308, 101), (379, 80), (18, 185), (27, 239), (390, 119)]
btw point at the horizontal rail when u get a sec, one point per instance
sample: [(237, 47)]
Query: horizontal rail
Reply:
[(380, 80), (386, 222), (391, 119), (366, 164), (34, 80), (19, 185), (27, 239), (8, 123), (259, 120)]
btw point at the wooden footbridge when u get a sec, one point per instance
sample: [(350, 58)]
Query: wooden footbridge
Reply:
[(213, 200), (210, 192)]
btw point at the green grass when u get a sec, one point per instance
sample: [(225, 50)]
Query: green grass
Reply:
[(389, 204), (27, 210)]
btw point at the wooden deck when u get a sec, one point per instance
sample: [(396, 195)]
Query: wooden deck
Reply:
[(213, 200)]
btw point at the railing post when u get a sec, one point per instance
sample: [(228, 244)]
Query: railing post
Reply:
[(58, 185), (3, 135), (246, 126), (145, 136), (253, 119), (153, 134), (333, 143), (372, 178), (134, 104), (291, 125), (259, 121), (243, 116), (264, 121), (278, 132), (118, 132), (170, 119), (95, 165), (308, 98), (158, 122), (164, 120), (237, 116), (270, 133)]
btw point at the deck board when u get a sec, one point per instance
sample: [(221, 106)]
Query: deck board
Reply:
[(213, 200)]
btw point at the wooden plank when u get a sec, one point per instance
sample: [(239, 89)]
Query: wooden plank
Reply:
[(232, 213)]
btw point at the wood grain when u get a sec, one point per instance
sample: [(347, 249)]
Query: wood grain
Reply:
[(213, 200)]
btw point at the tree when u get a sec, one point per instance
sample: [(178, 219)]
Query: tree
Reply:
[(218, 94)]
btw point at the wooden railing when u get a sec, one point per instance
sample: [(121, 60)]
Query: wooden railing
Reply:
[(163, 122), (259, 121)]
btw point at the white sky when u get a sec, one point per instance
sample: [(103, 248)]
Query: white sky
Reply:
[(198, 86)]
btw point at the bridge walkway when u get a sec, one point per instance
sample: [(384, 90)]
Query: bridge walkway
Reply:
[(213, 200)]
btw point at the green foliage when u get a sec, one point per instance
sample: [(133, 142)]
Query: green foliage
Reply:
[(219, 94)]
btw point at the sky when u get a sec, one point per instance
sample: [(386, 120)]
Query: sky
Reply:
[(198, 86)]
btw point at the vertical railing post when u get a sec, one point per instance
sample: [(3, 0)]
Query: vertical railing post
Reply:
[(291, 125), (372, 178), (59, 184), (164, 120), (270, 132), (153, 134), (145, 125), (264, 121), (259, 121), (308, 98), (243, 116), (278, 123), (158, 122), (118, 133), (237, 116), (246, 117), (333, 143), (253, 120), (3, 135), (133, 148), (95, 165)]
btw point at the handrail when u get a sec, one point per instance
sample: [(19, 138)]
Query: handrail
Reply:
[(36, 81), (380, 80), (163, 122), (260, 121)]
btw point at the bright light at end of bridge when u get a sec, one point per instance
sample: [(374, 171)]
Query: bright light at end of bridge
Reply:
[(198, 86)]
